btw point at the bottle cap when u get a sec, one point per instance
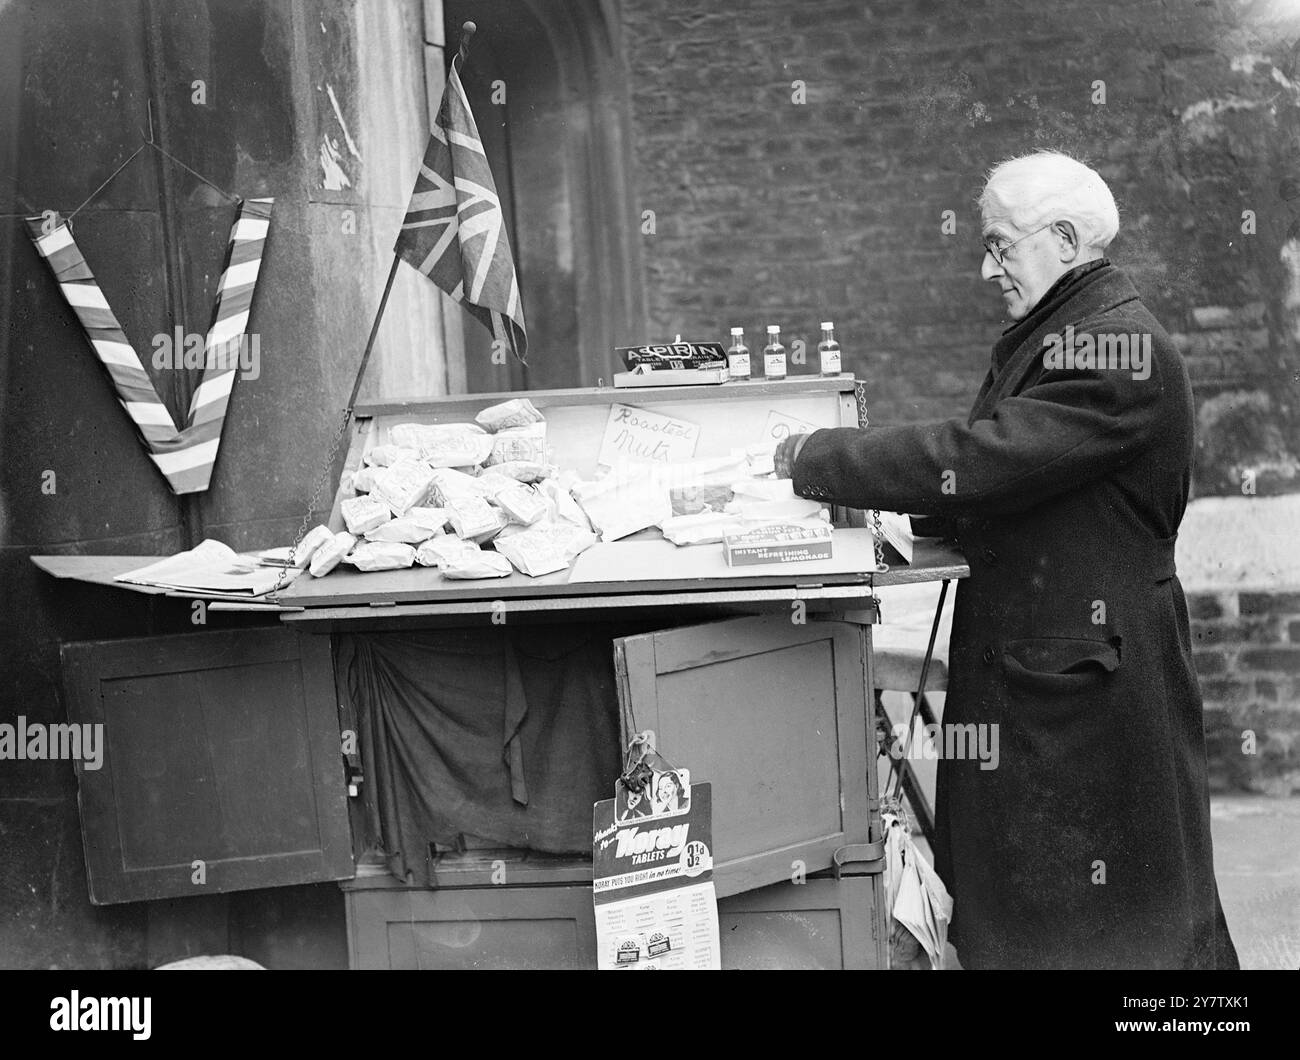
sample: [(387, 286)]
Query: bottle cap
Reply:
[(827, 325), (773, 329), (738, 331)]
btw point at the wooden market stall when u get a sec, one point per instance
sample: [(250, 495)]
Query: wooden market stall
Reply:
[(233, 756)]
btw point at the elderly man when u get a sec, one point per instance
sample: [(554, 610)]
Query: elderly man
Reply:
[(1089, 846)]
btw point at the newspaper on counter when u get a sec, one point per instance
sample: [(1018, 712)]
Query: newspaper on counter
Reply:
[(211, 567)]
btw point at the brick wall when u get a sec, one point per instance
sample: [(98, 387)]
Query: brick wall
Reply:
[(768, 210), (1246, 646)]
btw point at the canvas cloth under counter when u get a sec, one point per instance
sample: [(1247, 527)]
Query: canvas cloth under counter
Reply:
[(502, 734)]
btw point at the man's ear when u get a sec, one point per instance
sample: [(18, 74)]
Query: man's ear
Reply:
[(1070, 239)]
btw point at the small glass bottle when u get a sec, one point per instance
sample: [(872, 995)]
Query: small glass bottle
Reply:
[(773, 354), (828, 350), (738, 355)]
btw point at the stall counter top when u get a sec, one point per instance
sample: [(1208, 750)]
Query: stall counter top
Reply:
[(644, 574)]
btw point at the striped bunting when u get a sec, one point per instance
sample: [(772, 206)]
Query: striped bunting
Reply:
[(454, 231), (185, 457)]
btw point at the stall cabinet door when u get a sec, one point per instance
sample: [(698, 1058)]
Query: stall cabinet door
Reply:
[(819, 924), (457, 929), (773, 714), (221, 768)]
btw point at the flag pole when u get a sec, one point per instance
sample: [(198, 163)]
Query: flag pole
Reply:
[(374, 332), (467, 31)]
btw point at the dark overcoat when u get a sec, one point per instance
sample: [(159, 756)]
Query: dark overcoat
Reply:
[(1089, 844)]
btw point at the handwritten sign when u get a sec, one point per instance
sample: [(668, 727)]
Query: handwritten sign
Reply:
[(780, 426), (635, 435)]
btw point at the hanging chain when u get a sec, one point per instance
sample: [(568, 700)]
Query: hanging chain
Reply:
[(311, 504), (878, 536), (860, 396)]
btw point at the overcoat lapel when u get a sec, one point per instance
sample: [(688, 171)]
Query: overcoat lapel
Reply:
[(1098, 292)]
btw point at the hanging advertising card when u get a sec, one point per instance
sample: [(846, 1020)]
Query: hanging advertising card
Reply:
[(652, 852)]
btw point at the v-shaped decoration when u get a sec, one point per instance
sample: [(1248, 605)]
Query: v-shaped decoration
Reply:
[(185, 456)]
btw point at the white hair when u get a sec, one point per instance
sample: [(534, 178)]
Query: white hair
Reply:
[(1048, 186)]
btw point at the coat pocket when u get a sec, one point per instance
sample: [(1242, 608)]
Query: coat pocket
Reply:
[(1059, 664)]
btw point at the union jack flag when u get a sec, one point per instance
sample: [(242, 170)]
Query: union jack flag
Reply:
[(454, 231)]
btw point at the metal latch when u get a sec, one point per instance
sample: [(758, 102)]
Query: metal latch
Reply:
[(865, 858)]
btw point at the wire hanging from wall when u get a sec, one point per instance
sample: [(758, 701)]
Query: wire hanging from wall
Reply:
[(148, 141)]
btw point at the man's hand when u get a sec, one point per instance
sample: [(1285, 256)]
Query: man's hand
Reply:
[(787, 452)]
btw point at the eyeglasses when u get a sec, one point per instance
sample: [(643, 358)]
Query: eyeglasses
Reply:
[(999, 253)]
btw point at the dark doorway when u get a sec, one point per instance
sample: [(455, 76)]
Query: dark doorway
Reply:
[(547, 89)]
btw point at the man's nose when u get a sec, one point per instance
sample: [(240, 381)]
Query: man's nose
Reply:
[(989, 268)]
